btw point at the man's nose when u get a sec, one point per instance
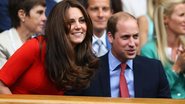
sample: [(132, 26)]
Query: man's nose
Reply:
[(44, 18), (100, 12), (131, 42)]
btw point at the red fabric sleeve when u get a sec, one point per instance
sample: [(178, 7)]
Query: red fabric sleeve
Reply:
[(19, 62)]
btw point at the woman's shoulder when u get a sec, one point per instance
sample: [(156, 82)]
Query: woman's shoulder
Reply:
[(149, 49), (32, 47), (40, 38), (5, 35), (151, 43), (8, 38), (34, 43), (36, 39)]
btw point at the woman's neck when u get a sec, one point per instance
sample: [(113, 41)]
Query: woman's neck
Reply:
[(173, 40), (24, 34)]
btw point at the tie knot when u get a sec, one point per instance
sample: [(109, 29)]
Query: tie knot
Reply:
[(123, 67), (99, 42), (101, 48)]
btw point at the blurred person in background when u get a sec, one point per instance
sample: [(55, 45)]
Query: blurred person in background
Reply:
[(50, 4), (117, 6), (99, 11), (168, 44), (28, 18)]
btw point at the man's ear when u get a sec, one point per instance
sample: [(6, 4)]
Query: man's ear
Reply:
[(110, 37), (22, 15)]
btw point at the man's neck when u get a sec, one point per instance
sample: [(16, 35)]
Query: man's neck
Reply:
[(99, 33)]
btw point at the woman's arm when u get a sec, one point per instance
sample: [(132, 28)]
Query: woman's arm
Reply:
[(4, 89)]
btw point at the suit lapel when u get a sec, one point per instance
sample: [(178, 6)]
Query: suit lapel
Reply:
[(138, 77), (105, 76)]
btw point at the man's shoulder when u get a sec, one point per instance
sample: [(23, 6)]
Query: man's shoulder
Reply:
[(104, 58), (103, 61), (144, 59), (146, 64)]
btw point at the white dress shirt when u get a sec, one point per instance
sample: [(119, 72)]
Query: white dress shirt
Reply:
[(96, 46)]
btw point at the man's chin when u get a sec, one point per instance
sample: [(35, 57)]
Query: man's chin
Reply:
[(99, 28), (131, 56)]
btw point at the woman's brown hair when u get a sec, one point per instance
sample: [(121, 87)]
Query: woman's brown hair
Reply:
[(68, 67)]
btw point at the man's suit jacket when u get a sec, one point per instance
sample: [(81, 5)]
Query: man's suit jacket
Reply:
[(149, 79)]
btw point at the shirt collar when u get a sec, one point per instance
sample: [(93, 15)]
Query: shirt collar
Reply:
[(57, 0), (114, 62), (102, 38)]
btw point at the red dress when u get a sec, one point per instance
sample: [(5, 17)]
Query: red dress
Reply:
[(25, 73)]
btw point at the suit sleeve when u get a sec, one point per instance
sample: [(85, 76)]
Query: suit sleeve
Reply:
[(164, 89)]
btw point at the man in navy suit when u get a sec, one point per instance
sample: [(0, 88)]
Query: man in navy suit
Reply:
[(145, 77)]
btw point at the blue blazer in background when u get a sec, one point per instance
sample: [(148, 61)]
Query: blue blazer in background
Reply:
[(5, 21), (50, 4)]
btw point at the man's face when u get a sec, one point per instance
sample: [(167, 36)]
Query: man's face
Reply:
[(125, 42), (99, 11)]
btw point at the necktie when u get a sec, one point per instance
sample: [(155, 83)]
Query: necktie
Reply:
[(123, 84), (101, 48)]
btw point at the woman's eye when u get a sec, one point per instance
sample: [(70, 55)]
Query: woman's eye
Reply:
[(82, 20)]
